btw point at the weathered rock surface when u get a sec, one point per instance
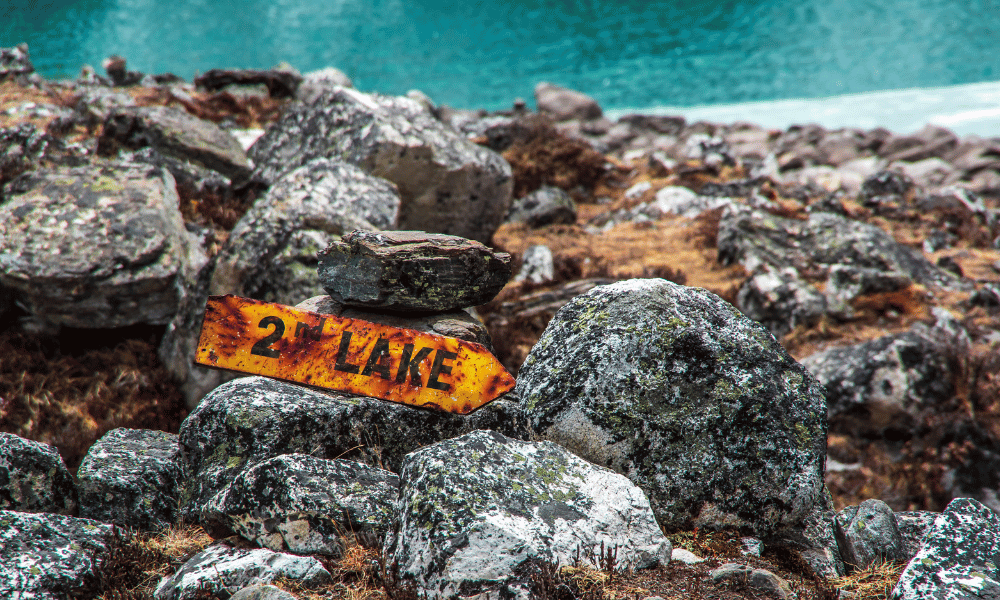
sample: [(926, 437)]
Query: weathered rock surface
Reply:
[(815, 539), (913, 526), (34, 478), (262, 592), (95, 247), (178, 134), (958, 556), (780, 300), (695, 403), (544, 206), (220, 571), (306, 505), (447, 184), (760, 580), (868, 534), (315, 83), (884, 384), (14, 61), (474, 508), (564, 104), (280, 83), (271, 253), (537, 265), (49, 557), (412, 270), (24, 148), (249, 420), (130, 477)]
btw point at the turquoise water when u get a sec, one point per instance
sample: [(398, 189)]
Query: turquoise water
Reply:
[(625, 53)]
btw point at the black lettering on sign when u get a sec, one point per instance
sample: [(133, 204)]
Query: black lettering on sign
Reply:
[(312, 333), (379, 361), (263, 347), (438, 368), (342, 364), (411, 365)]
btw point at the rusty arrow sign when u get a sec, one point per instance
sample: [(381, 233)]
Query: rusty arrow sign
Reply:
[(350, 355)]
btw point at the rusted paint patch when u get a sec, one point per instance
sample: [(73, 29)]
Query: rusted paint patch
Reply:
[(350, 355)]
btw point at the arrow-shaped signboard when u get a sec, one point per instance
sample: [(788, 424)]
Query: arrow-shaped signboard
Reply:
[(350, 355)]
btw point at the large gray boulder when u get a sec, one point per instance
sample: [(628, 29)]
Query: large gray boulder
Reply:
[(178, 134), (50, 557), (271, 252), (34, 478), (958, 558), (868, 534), (220, 571), (249, 420), (412, 271), (447, 183), (129, 477), (676, 389), (473, 509), (307, 505), (95, 247)]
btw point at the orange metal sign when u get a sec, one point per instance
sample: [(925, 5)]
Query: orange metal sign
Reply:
[(351, 355)]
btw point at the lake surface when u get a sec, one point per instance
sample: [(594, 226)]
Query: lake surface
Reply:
[(628, 54)]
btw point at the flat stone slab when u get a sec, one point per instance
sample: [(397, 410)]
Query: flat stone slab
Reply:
[(411, 271)]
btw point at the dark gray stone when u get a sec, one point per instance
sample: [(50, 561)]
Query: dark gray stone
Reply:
[(473, 509), (221, 571), (544, 206), (280, 83), (251, 419), (14, 61), (23, 148), (34, 478), (272, 251), (695, 403), (178, 134), (49, 557), (868, 534), (447, 184), (307, 505), (845, 283), (412, 270), (129, 477), (913, 527), (780, 299), (96, 247), (959, 556), (815, 539)]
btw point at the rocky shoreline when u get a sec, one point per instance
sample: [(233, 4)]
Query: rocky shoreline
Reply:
[(791, 336)]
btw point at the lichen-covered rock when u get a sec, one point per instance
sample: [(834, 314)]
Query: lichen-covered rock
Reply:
[(913, 527), (23, 148), (456, 324), (271, 253), (780, 299), (95, 247), (306, 505), (564, 104), (815, 539), (49, 557), (220, 571), (958, 557), (251, 419), (695, 403), (129, 477), (885, 384), (176, 133), (868, 534), (544, 206), (34, 478), (412, 270), (447, 183), (474, 508), (753, 238)]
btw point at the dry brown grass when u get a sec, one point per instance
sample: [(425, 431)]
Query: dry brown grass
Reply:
[(136, 561), (873, 583)]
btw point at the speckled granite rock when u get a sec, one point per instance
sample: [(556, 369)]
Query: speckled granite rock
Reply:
[(34, 478), (868, 534), (412, 270), (129, 477), (23, 148), (176, 133), (251, 419), (815, 540), (474, 508), (262, 592), (958, 558), (780, 299), (221, 571), (302, 504), (447, 183), (913, 526), (271, 253), (95, 247), (49, 557), (676, 389), (544, 206)]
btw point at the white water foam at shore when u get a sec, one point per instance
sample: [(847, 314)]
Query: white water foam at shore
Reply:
[(965, 109)]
